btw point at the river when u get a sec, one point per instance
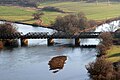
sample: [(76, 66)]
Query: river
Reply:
[(31, 63)]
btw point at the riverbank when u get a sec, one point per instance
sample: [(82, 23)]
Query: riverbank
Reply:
[(113, 54), (94, 23)]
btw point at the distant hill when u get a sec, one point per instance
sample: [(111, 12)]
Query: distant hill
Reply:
[(33, 3), (25, 3)]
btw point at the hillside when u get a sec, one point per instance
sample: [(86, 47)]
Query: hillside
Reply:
[(34, 3), (92, 11)]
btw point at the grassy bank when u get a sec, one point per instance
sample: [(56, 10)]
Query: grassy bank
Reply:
[(92, 11), (15, 13), (114, 54)]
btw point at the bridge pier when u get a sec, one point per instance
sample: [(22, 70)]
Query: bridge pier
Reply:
[(50, 41), (77, 41), (24, 42)]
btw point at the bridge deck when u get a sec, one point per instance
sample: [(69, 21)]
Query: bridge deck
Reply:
[(44, 35)]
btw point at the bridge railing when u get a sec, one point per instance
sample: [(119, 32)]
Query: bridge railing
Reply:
[(44, 35), (15, 35)]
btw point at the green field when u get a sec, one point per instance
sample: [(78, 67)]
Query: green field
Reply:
[(114, 54), (92, 11)]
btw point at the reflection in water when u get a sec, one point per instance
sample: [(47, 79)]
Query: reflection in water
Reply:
[(57, 63)]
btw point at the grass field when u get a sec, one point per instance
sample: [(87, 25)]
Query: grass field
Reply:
[(114, 54), (15, 13), (92, 11)]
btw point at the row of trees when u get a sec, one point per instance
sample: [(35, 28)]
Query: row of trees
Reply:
[(34, 3)]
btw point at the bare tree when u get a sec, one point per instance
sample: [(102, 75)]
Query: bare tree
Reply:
[(8, 28), (71, 23), (38, 15), (101, 69), (106, 39)]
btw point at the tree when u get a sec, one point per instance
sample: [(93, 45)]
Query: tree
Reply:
[(8, 28), (37, 15), (101, 70), (101, 49), (71, 23), (106, 39)]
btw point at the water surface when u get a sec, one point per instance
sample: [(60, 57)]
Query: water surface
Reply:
[(31, 63)]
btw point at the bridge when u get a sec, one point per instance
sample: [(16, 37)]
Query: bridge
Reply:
[(44, 35), (56, 35)]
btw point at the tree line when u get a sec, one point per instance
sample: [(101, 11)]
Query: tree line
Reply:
[(34, 3)]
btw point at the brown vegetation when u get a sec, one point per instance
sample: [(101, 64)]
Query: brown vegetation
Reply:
[(50, 8), (101, 50), (38, 15), (105, 43), (57, 62), (106, 39), (1, 45), (71, 23), (7, 28), (103, 70)]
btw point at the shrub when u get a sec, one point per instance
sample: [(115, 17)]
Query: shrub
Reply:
[(106, 39), (101, 50), (105, 43), (101, 70), (37, 15), (92, 23), (8, 28), (71, 23), (49, 8)]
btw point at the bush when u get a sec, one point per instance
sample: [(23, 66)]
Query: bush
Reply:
[(106, 39), (71, 23), (8, 28), (92, 23), (101, 70), (105, 43), (49, 8), (38, 15), (101, 50)]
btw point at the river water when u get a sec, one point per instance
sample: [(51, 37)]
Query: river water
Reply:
[(31, 63)]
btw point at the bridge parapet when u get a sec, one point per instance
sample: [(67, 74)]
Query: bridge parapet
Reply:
[(45, 35), (15, 35), (35, 35)]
